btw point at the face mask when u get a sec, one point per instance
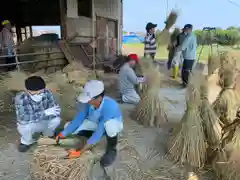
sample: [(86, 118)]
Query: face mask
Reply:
[(36, 97)]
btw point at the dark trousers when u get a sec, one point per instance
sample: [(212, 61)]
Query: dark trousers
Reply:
[(152, 55), (170, 58), (186, 70), (10, 60), (109, 156)]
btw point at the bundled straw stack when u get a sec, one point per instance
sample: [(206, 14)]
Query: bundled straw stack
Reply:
[(226, 59), (227, 161), (187, 144), (49, 164), (226, 106), (211, 122), (149, 110), (228, 100), (213, 63), (164, 36)]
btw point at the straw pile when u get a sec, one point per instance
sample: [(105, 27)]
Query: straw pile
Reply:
[(213, 63), (164, 36), (226, 59), (187, 144), (226, 104), (49, 164), (211, 122), (227, 161), (65, 85), (41, 45), (226, 107), (149, 110)]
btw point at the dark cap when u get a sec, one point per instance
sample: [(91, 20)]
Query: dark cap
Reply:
[(150, 26), (35, 83), (188, 26)]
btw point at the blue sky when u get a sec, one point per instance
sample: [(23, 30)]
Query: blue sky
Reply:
[(200, 13)]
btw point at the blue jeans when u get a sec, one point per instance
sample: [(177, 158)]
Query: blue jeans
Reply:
[(187, 69)]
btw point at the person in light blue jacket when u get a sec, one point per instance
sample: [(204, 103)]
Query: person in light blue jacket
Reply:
[(188, 49), (100, 116)]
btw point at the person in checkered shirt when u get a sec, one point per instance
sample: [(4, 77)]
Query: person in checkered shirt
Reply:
[(37, 111)]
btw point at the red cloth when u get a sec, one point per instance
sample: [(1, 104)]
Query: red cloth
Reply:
[(133, 57)]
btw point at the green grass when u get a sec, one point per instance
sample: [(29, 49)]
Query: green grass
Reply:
[(162, 52)]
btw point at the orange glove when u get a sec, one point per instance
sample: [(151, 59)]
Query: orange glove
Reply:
[(58, 137), (74, 154)]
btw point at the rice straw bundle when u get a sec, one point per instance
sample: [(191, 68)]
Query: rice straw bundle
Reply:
[(227, 102), (171, 20), (164, 35), (227, 160), (211, 122), (227, 59), (14, 81), (213, 63), (49, 164), (149, 110), (187, 144)]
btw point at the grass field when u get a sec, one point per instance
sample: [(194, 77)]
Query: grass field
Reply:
[(162, 52)]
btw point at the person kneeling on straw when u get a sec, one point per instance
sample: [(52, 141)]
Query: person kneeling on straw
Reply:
[(37, 112), (100, 115), (128, 79)]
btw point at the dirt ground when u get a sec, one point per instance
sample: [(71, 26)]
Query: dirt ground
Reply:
[(148, 144)]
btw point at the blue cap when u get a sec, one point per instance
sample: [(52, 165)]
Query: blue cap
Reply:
[(188, 26)]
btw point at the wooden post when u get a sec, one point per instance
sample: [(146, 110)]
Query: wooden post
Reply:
[(19, 34), (93, 34), (31, 31), (62, 4)]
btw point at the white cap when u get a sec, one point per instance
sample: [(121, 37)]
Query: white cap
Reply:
[(91, 89)]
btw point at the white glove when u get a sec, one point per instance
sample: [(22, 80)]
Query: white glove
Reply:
[(53, 111), (177, 58), (141, 79)]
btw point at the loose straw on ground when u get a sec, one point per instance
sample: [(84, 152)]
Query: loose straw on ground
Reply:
[(149, 110), (187, 144)]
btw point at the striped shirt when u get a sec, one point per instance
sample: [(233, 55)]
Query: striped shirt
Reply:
[(6, 42), (150, 46)]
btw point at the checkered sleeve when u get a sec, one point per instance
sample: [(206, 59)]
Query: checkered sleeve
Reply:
[(22, 111), (52, 102), (25, 113)]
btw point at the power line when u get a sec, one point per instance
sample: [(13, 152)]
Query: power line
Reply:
[(234, 3)]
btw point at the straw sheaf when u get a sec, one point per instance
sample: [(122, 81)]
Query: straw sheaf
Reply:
[(171, 20), (226, 105), (227, 161), (211, 122), (213, 63), (187, 144), (150, 110)]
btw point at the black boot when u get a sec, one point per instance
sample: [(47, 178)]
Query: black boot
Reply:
[(23, 148), (111, 152)]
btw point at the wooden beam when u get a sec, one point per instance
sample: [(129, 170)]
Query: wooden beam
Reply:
[(63, 8)]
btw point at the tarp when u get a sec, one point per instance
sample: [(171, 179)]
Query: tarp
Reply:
[(132, 39)]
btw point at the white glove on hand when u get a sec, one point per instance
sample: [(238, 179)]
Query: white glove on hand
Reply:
[(141, 79), (53, 111), (177, 58)]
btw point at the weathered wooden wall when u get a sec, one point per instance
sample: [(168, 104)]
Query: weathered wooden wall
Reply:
[(83, 25)]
